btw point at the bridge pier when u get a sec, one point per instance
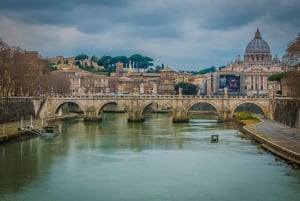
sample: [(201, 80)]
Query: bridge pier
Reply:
[(135, 111), (91, 116), (135, 116), (92, 119), (226, 115), (180, 116)]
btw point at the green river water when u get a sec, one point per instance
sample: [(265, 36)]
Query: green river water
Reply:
[(154, 160)]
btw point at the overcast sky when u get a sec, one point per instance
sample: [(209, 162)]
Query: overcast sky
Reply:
[(183, 34)]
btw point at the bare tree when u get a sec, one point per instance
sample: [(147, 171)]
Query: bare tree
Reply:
[(20, 71), (291, 78), (29, 69), (6, 80), (292, 82), (292, 53), (59, 83)]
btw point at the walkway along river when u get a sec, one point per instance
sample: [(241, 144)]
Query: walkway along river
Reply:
[(280, 139), (155, 160)]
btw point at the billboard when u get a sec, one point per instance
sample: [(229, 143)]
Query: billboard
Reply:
[(232, 82)]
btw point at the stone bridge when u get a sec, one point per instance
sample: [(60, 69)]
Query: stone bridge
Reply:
[(135, 105)]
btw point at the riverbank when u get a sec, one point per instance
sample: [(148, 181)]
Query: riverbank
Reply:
[(13, 131), (20, 135), (277, 138)]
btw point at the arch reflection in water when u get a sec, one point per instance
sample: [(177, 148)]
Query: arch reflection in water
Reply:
[(153, 160)]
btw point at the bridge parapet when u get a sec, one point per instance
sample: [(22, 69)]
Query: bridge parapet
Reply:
[(122, 96), (179, 104)]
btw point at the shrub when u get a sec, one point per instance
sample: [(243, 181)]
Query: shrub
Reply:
[(244, 115)]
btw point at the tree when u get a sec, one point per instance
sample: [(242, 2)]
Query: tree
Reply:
[(6, 76), (292, 59), (141, 61), (146, 62), (207, 70), (277, 77), (292, 83), (157, 69), (117, 59), (93, 59), (136, 59), (187, 88), (105, 61), (81, 58), (28, 67), (20, 71), (124, 60), (292, 53), (59, 83)]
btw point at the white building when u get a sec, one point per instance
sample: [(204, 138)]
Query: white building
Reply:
[(249, 75)]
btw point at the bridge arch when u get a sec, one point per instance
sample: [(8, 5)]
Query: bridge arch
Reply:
[(102, 105), (189, 106), (163, 104), (258, 106), (61, 103)]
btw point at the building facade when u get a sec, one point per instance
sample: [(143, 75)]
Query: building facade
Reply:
[(249, 76), (83, 82), (167, 82)]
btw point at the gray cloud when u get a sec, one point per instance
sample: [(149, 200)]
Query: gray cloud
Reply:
[(176, 31), (216, 14), (57, 4)]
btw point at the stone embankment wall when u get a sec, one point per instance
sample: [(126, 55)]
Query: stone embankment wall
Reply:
[(13, 109), (288, 112)]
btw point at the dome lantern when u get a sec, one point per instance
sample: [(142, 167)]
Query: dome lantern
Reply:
[(257, 34)]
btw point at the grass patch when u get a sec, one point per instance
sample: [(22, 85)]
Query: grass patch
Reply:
[(246, 118)]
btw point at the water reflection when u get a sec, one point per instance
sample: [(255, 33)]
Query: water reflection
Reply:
[(154, 160)]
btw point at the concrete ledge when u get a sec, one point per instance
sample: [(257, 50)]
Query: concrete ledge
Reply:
[(274, 148), (278, 153), (16, 136)]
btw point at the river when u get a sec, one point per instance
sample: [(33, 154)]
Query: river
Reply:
[(152, 161)]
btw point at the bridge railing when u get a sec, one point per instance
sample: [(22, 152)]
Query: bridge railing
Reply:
[(129, 96)]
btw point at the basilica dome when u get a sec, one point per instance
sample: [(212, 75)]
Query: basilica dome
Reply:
[(257, 45)]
